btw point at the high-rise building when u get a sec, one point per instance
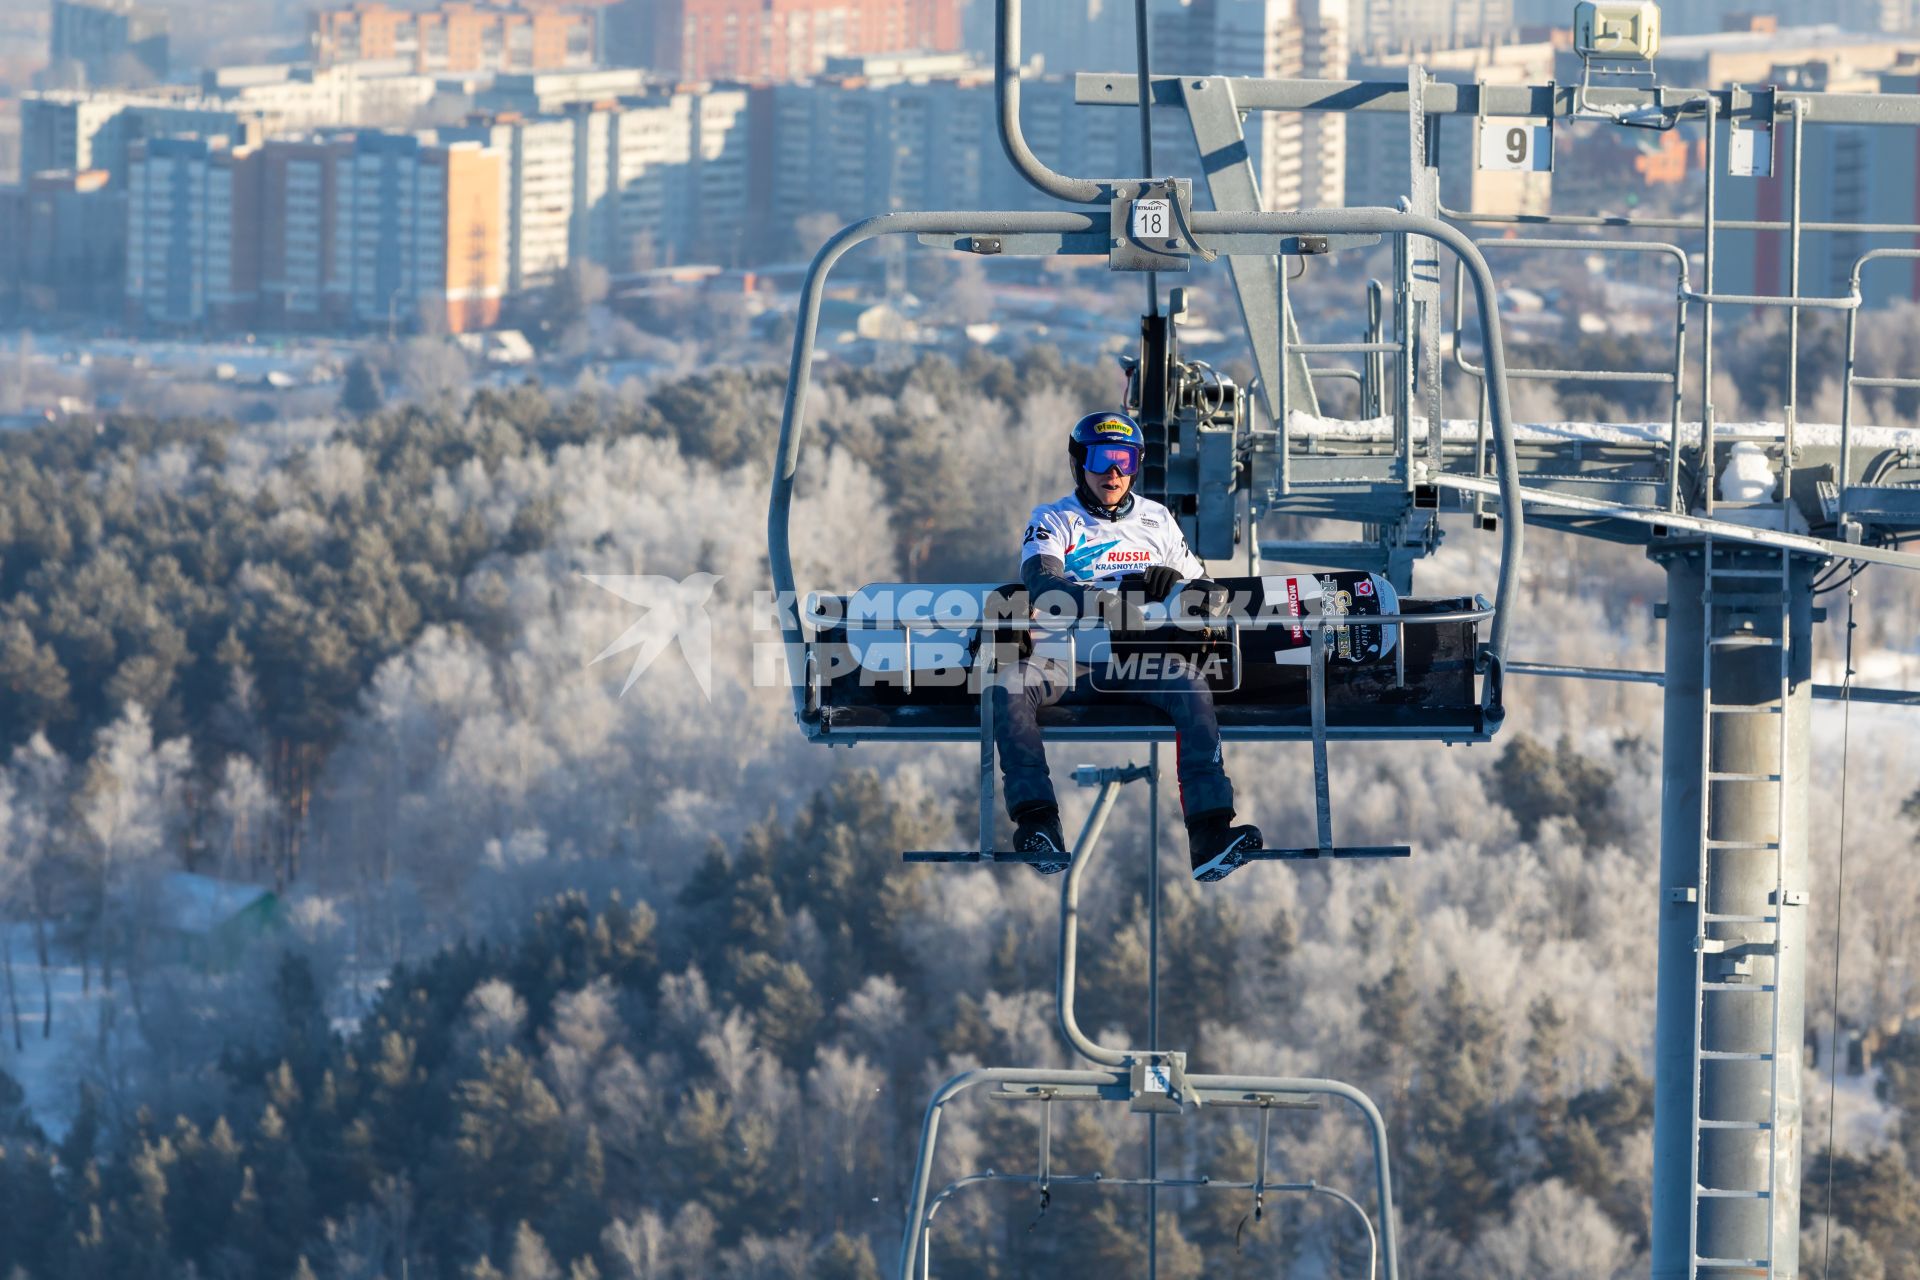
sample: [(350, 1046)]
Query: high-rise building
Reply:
[(1379, 26), (852, 147), (537, 188), (295, 97), (192, 232), (375, 229), (552, 92), (78, 131), (1080, 35), (418, 234), (632, 163), (456, 35), (664, 179), (298, 221), (110, 42), (1299, 158), (771, 40), (62, 242)]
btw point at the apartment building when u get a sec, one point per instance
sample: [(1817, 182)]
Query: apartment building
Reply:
[(297, 228), (664, 179), (1299, 157), (193, 224), (418, 234), (62, 241), (296, 97), (772, 40), (1379, 26), (551, 92), (370, 230), (77, 131), (537, 191), (633, 161), (454, 36), (109, 42)]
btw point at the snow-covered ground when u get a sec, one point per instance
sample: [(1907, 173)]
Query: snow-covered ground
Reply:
[(49, 1067)]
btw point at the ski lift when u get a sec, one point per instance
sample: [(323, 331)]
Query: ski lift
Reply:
[(1151, 1081), (909, 662)]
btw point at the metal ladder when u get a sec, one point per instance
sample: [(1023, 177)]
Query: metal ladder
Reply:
[(1730, 584)]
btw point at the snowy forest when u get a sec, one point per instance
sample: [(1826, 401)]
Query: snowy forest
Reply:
[(536, 981)]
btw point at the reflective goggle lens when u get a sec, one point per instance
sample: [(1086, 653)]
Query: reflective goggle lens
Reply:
[(1102, 458)]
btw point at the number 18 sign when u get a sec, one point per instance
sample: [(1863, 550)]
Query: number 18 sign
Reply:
[(1516, 144)]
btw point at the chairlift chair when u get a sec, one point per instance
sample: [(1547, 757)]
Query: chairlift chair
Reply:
[(878, 664)]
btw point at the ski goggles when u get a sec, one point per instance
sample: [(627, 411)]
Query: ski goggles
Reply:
[(1102, 458)]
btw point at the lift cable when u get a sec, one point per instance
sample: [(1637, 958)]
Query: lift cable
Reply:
[(1839, 918), (1146, 129)]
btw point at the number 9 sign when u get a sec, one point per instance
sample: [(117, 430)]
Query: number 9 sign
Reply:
[(1516, 145)]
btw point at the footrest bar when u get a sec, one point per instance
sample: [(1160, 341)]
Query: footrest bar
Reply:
[(1341, 851), (974, 855)]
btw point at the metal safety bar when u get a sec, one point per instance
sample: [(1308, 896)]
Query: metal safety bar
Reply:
[(1625, 675), (1118, 1086), (1259, 233), (1842, 473), (1724, 530), (1006, 91), (1540, 102), (1676, 378), (885, 622), (1258, 1186)]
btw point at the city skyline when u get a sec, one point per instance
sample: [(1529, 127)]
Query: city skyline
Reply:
[(631, 166)]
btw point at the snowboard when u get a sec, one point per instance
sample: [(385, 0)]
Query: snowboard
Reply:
[(1284, 608)]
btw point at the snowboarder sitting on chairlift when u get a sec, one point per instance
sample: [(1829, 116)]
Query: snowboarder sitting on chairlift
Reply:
[(1081, 547)]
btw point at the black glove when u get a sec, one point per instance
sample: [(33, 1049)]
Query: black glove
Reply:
[(1160, 581)]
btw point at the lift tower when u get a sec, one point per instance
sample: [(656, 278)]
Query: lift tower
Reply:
[(1733, 923)]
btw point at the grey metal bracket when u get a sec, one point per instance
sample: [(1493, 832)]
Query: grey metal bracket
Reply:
[(1041, 244), (1158, 1081), (1247, 1099), (1221, 138), (1096, 243), (1169, 246)]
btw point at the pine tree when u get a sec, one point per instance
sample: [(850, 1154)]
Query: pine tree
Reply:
[(531, 1258), (363, 392), (845, 1257)]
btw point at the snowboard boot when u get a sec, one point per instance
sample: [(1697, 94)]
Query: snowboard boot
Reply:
[(1038, 831), (1217, 845)]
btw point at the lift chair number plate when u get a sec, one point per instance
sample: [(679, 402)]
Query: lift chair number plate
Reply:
[(1750, 148), (1516, 144), (1152, 219)]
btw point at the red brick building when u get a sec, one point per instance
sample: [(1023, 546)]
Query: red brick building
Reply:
[(455, 36), (770, 40)]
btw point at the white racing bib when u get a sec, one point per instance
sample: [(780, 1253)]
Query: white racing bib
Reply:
[(1096, 552)]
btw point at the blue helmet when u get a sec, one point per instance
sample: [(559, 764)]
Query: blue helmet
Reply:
[(1105, 428)]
